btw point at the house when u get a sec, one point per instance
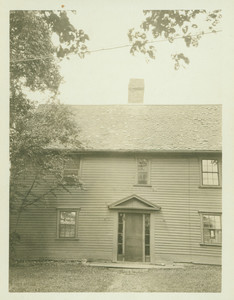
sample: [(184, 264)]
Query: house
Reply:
[(153, 188)]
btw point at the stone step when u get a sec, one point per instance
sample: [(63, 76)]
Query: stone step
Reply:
[(129, 265)]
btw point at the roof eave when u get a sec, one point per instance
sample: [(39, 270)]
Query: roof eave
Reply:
[(190, 151)]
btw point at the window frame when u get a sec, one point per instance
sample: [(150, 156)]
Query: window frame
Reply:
[(148, 172), (202, 213), (67, 209), (78, 169), (219, 185)]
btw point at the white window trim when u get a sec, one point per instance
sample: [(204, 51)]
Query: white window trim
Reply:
[(211, 213), (60, 209), (219, 173)]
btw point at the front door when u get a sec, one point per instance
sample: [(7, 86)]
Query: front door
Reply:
[(133, 237)]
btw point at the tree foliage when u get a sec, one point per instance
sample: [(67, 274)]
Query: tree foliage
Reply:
[(33, 55), (189, 25), (33, 129)]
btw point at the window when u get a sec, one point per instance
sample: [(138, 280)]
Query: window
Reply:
[(142, 171), (211, 228), (71, 171), (67, 223), (120, 233), (147, 235), (210, 172)]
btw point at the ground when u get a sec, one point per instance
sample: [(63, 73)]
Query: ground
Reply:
[(75, 277)]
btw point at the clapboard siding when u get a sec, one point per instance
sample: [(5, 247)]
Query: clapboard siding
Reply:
[(174, 186)]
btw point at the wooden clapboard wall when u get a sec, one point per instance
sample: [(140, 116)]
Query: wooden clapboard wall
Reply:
[(174, 186)]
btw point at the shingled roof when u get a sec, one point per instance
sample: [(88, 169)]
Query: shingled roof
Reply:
[(149, 127)]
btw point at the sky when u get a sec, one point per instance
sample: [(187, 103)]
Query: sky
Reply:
[(103, 77)]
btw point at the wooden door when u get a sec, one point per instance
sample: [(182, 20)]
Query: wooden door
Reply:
[(133, 237)]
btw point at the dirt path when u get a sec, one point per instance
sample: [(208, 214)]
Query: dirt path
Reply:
[(129, 281)]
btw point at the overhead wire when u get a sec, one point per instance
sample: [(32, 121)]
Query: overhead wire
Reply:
[(150, 42), (112, 48)]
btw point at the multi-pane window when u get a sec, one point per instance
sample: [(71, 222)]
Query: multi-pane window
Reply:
[(120, 233), (71, 171), (211, 228), (142, 171), (67, 223), (210, 172), (147, 235)]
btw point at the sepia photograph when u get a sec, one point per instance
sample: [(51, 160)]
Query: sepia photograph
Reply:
[(115, 149)]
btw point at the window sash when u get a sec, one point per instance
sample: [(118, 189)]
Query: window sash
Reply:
[(210, 172), (211, 229), (71, 170), (67, 223), (67, 231), (147, 234), (142, 171), (120, 242)]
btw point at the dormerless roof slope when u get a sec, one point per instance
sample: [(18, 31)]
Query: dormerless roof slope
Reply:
[(149, 127)]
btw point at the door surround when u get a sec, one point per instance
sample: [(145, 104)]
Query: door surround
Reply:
[(133, 237), (134, 204)]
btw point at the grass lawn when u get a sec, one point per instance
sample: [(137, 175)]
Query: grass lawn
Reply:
[(74, 277)]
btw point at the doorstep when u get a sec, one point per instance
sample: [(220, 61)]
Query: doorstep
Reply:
[(132, 265)]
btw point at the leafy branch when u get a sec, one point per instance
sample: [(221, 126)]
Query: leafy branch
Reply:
[(190, 25)]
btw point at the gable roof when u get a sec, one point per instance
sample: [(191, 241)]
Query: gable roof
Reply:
[(149, 127)]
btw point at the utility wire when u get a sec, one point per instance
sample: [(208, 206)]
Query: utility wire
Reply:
[(151, 42), (112, 48)]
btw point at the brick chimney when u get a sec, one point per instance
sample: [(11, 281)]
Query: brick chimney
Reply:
[(136, 90)]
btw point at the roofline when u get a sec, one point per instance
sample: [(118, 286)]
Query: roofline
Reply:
[(140, 104), (121, 151)]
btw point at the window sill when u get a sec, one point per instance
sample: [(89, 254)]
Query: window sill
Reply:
[(212, 245), (142, 185), (210, 187), (67, 239)]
